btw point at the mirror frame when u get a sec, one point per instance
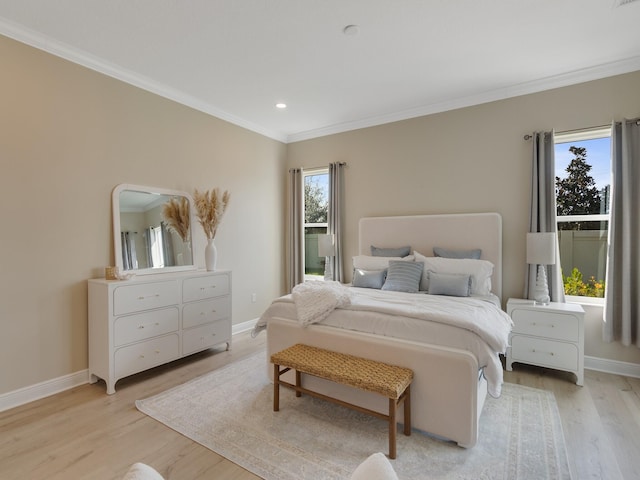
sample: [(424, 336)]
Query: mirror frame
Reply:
[(117, 245)]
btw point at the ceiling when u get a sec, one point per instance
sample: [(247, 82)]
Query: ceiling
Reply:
[(235, 59)]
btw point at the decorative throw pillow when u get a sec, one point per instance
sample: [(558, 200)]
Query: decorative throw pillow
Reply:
[(369, 278), (368, 262), (444, 252), (141, 471), (390, 252), (375, 467), (452, 284), (403, 276), (479, 270)]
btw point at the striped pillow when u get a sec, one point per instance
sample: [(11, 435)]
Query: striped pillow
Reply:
[(403, 276)]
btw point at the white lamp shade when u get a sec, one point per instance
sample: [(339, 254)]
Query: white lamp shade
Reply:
[(326, 247), (541, 248)]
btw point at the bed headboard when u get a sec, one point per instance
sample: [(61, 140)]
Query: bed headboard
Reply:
[(453, 231)]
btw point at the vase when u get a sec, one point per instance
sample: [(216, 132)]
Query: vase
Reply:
[(210, 255)]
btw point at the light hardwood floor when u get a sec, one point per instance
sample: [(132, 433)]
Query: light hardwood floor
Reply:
[(84, 433)]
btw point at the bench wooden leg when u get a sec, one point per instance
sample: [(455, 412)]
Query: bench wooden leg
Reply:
[(276, 387), (393, 408), (407, 411)]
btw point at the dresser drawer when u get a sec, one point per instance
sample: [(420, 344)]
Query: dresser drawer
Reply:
[(141, 326), (538, 351), (548, 324), (200, 338), (142, 356), (207, 311), (199, 288), (136, 298)]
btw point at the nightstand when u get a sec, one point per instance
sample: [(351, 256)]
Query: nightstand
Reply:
[(547, 335)]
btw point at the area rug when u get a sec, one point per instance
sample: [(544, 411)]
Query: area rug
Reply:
[(230, 411)]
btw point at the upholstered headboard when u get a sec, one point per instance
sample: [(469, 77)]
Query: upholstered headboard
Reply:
[(452, 231)]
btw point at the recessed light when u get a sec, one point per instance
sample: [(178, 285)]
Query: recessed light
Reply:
[(281, 106)]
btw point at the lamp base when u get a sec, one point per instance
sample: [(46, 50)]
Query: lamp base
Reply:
[(541, 291)]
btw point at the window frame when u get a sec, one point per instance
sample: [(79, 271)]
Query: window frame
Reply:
[(310, 173), (577, 136)]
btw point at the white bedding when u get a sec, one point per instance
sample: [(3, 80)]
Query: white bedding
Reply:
[(476, 323)]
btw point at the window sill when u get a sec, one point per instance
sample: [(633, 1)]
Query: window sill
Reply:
[(593, 301)]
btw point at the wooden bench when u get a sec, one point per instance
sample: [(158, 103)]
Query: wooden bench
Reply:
[(388, 380)]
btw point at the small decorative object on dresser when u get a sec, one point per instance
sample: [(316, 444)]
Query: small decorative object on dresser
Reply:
[(155, 319), (210, 208), (549, 335)]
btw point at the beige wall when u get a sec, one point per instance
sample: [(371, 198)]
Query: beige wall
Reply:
[(68, 136), (470, 160)]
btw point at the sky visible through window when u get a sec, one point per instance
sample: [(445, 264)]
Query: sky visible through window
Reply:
[(598, 156), (321, 180)]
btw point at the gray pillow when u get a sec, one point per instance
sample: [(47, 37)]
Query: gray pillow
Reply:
[(369, 278), (403, 276), (452, 284), (446, 253), (390, 252)]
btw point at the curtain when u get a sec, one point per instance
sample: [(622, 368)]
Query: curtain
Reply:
[(622, 298), (333, 266), (543, 212), (167, 246), (129, 257), (296, 227)]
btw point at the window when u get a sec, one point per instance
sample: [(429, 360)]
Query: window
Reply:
[(316, 203), (583, 184)]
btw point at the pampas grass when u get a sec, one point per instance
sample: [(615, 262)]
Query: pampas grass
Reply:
[(210, 208), (176, 213)]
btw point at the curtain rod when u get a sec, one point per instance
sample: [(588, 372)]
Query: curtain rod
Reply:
[(311, 169)]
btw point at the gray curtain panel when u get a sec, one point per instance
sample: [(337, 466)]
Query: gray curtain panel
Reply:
[(334, 219), (543, 211), (622, 298), (296, 228)]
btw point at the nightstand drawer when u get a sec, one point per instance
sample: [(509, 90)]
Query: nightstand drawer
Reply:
[(549, 324), (538, 351)]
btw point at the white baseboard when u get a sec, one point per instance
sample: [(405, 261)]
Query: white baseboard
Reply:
[(243, 327), (66, 382), (612, 366), (42, 389)]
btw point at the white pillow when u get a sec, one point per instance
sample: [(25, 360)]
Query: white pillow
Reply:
[(369, 262), (375, 467), (140, 471), (480, 271)]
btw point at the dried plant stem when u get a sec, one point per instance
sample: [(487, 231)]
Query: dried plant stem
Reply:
[(210, 208), (176, 213)]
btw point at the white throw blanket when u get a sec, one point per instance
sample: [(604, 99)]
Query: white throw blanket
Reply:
[(316, 300)]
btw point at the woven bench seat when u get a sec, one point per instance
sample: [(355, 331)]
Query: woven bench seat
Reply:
[(391, 381)]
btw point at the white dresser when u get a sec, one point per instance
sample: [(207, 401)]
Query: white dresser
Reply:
[(547, 335), (149, 320)]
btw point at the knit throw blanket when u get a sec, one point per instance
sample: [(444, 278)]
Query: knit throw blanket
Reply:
[(316, 300)]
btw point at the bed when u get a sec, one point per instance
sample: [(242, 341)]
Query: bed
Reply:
[(454, 364)]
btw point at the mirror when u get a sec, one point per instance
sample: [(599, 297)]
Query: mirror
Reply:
[(152, 229)]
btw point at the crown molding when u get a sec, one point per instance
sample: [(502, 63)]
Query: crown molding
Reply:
[(59, 49), (567, 79), (82, 58)]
